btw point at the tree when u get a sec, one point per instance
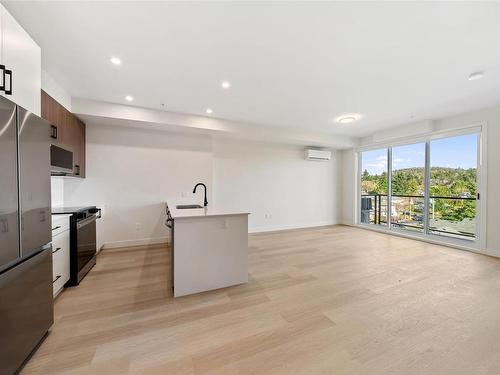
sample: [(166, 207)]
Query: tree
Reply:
[(445, 183)]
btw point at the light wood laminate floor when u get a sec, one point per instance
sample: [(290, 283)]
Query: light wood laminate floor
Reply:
[(329, 300)]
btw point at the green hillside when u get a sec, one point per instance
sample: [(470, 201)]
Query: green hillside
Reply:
[(444, 182)]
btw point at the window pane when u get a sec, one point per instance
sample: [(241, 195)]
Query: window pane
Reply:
[(452, 204), (374, 187), (408, 187)]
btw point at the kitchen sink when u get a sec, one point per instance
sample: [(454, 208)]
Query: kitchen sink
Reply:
[(187, 206)]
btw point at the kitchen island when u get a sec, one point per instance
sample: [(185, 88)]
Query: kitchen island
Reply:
[(209, 248)]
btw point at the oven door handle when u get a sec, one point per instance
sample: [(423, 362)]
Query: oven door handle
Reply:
[(86, 221)]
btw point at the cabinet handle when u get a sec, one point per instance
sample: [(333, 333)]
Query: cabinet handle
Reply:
[(77, 170), (56, 227), (56, 250), (8, 91), (53, 131), (2, 85), (57, 278)]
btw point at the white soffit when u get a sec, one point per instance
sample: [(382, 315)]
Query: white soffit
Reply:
[(123, 115)]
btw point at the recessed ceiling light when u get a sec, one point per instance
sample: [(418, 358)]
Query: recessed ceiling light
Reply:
[(115, 60), (225, 84), (476, 75), (348, 118), (129, 98), (209, 111)]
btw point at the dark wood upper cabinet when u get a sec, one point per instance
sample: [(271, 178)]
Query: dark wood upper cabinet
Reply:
[(67, 131)]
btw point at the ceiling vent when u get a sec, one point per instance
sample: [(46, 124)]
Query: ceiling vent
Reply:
[(318, 155)]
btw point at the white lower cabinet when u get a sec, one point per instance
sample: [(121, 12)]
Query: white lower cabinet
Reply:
[(60, 255)]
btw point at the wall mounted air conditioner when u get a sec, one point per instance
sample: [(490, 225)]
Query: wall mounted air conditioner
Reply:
[(321, 155)]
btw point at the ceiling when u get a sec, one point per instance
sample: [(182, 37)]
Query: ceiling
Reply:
[(290, 64)]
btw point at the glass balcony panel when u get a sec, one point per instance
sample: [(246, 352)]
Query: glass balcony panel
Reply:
[(453, 217), (408, 213)]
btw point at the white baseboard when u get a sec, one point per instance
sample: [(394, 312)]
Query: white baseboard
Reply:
[(493, 253), (275, 228), (138, 242), (160, 240)]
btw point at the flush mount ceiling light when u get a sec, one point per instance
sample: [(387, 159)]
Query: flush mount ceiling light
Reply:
[(209, 111), (115, 61), (129, 98), (225, 85), (476, 75), (348, 118)]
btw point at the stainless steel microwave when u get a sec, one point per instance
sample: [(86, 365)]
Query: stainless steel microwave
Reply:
[(61, 161)]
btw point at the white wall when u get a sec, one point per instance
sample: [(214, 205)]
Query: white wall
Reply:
[(55, 90), (131, 173), (57, 191), (349, 187), (275, 180), (492, 118)]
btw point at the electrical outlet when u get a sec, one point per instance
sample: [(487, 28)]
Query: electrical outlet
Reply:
[(138, 226), (183, 194)]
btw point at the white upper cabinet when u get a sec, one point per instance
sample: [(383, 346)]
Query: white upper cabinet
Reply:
[(22, 56)]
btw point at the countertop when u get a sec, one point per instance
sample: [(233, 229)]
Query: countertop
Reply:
[(69, 210), (200, 212)]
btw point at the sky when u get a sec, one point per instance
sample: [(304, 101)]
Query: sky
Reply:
[(454, 152)]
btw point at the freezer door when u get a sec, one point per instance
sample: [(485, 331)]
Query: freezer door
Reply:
[(9, 215), (34, 168), (26, 309)]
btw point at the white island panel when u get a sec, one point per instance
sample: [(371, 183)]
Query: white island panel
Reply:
[(210, 252)]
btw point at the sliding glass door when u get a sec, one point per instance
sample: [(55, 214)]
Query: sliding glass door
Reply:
[(428, 188), (374, 166), (453, 186), (408, 187)]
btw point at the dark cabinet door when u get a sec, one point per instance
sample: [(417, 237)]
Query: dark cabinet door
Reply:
[(66, 131), (56, 114)]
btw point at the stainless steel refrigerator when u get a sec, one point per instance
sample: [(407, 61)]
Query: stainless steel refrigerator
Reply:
[(26, 304)]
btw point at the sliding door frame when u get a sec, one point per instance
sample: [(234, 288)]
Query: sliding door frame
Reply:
[(427, 185), (479, 243)]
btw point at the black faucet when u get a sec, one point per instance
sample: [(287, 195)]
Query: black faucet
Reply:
[(205, 202)]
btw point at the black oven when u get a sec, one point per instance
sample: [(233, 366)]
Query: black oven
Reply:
[(86, 244), (83, 243)]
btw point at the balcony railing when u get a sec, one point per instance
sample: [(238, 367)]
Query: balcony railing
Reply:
[(407, 211)]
